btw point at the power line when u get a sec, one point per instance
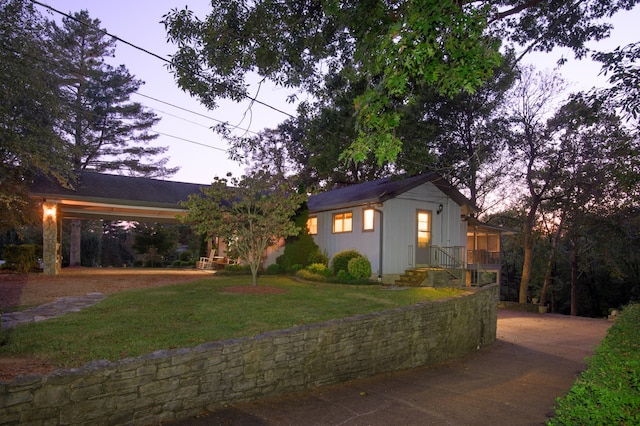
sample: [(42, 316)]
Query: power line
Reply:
[(148, 52), (191, 112), (91, 113)]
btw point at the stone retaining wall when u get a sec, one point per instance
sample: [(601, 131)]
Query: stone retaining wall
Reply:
[(173, 384)]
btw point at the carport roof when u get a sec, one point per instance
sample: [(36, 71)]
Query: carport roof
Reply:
[(104, 196)]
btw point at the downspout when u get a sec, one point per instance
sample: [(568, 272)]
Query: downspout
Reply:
[(380, 252)]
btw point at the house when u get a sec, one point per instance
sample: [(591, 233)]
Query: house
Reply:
[(415, 231)]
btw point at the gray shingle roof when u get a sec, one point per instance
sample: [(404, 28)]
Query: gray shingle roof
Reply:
[(381, 190), (115, 189)]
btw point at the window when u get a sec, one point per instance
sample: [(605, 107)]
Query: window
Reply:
[(312, 225), (342, 222), (368, 219), (424, 229)]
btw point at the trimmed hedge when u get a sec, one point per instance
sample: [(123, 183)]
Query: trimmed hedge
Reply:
[(608, 392)]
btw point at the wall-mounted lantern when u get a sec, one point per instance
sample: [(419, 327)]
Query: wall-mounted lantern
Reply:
[(49, 213)]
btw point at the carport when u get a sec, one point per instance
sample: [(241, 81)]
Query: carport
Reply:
[(103, 196)]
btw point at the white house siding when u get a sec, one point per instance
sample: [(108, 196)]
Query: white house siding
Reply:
[(400, 225), (366, 243), (399, 230)]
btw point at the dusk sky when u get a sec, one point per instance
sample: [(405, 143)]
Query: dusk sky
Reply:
[(193, 146)]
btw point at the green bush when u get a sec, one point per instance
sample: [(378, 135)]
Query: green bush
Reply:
[(22, 258), (274, 269), (305, 274), (295, 268), (608, 392), (186, 256), (236, 268), (299, 249), (343, 275), (359, 267), (320, 269), (317, 256), (341, 260)]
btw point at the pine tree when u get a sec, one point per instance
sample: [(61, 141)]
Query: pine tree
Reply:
[(106, 130)]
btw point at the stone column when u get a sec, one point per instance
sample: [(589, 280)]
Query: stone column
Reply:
[(74, 240), (51, 239)]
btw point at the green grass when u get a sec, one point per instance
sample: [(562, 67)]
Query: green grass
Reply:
[(608, 392), (137, 322)]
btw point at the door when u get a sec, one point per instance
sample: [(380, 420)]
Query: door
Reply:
[(423, 237)]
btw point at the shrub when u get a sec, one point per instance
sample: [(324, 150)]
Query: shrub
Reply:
[(359, 267), (317, 256), (186, 256), (320, 269), (305, 274), (299, 248), (274, 269), (22, 258), (608, 392), (237, 268), (295, 268), (343, 275), (341, 260)]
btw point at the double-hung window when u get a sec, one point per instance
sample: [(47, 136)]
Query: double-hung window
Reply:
[(342, 222)]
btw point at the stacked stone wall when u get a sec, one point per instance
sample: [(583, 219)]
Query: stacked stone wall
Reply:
[(174, 384)]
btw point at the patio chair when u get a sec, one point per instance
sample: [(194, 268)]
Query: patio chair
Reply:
[(207, 262)]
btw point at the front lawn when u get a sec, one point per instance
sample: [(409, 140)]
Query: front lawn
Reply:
[(137, 322)]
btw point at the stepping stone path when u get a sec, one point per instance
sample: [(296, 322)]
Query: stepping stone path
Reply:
[(60, 306)]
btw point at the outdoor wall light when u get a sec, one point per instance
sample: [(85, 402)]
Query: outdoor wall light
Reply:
[(440, 207), (49, 213)]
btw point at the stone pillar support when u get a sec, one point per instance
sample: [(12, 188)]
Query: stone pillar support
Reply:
[(51, 233)]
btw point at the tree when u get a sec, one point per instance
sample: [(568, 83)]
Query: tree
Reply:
[(155, 241), (392, 46), (29, 143), (252, 215), (466, 134), (597, 149), (104, 129), (533, 150), (310, 146), (621, 65)]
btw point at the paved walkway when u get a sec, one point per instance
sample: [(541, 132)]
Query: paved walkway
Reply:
[(513, 382), (54, 309)]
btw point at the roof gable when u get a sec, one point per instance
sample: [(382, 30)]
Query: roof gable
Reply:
[(380, 190)]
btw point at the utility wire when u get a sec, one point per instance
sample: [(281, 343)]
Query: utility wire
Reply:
[(148, 52), (91, 113)]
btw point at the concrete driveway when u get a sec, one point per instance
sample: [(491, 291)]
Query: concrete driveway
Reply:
[(535, 359)]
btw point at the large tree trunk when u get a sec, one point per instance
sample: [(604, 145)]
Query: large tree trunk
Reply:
[(552, 255), (574, 282), (74, 243), (528, 252)]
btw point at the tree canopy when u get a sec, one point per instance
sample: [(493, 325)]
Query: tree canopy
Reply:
[(105, 130), (251, 215), (392, 46), (29, 142)]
